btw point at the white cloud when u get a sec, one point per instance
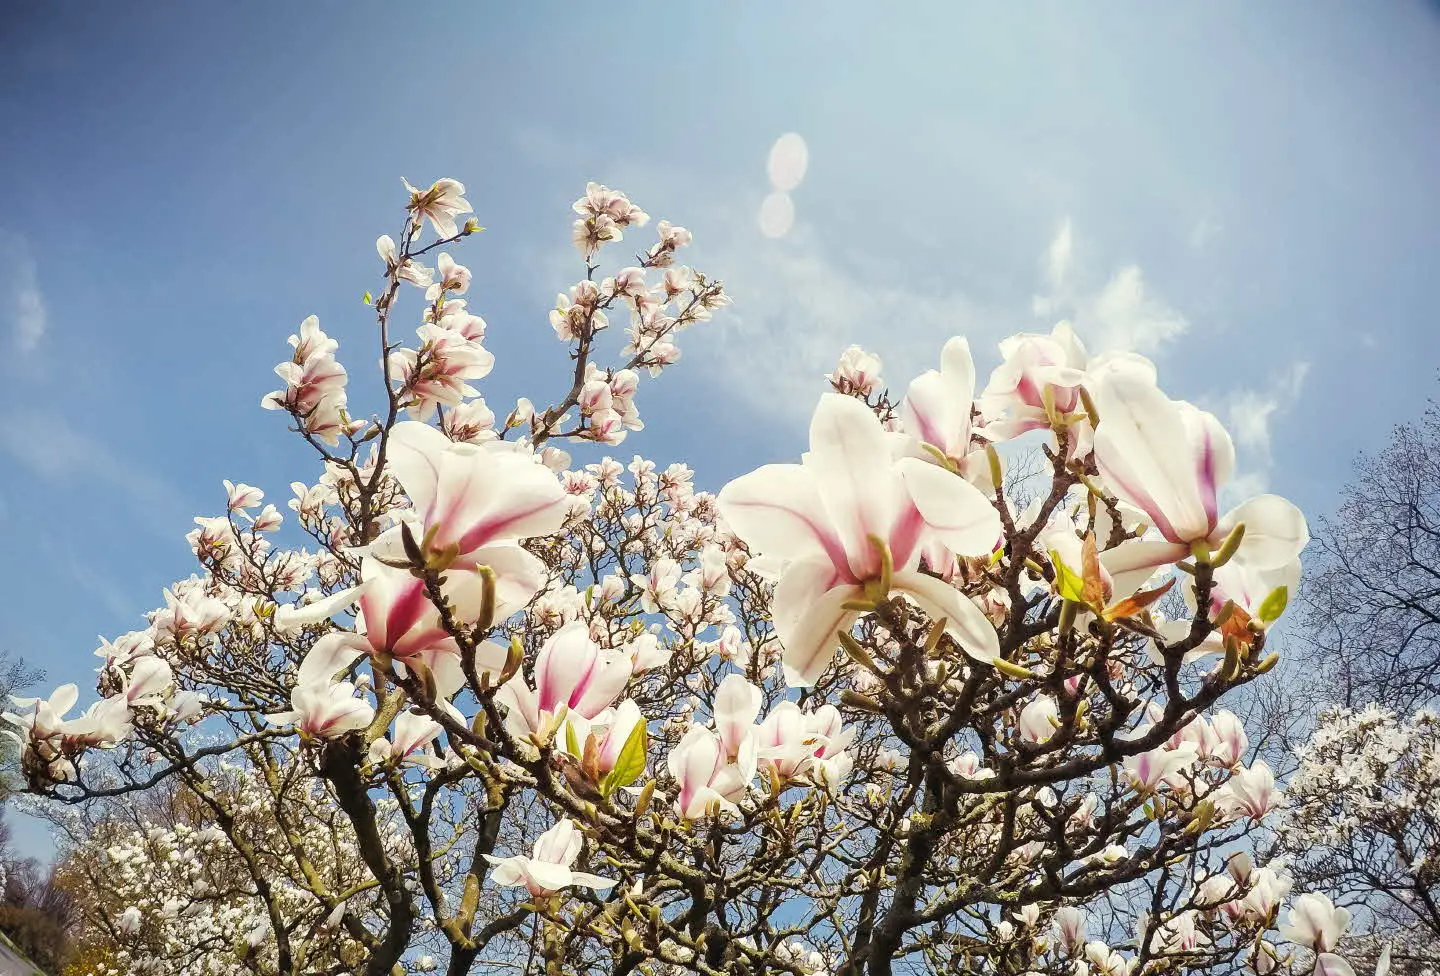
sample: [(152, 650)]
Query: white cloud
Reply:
[(1060, 256), (1205, 231), (799, 301), (21, 302), (1123, 313), (52, 449), (1250, 416)]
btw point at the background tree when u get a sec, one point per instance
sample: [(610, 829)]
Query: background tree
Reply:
[(1362, 821), (1371, 608)]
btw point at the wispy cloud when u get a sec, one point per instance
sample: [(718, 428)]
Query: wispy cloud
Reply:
[(51, 448), (799, 301), (1250, 416), (21, 300), (798, 306), (1114, 313)]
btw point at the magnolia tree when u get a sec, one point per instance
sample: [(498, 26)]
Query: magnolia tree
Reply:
[(859, 713), (1363, 823)]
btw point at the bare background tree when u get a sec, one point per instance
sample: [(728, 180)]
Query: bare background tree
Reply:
[(1371, 608)]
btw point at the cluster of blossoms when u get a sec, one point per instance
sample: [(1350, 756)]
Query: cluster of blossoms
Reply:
[(1363, 818), (587, 717)]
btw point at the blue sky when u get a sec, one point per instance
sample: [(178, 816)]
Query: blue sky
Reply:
[(1244, 191)]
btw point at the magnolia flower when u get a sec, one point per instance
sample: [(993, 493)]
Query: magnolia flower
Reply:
[(938, 406), (472, 502), (45, 716), (413, 732), (186, 706), (1329, 964), (1315, 923), (241, 496), (968, 765), (191, 613), (1036, 368), (1169, 459), (795, 745), (450, 277), (435, 375), (737, 704), (1227, 742), (314, 384), (412, 271), (611, 733), (572, 674), (831, 763), (1149, 769), (838, 515), (128, 921), (857, 372), (547, 869), (325, 711), (148, 680), (320, 706), (105, 723), (439, 204), (706, 778), (1070, 927), (1180, 933), (1268, 888), (1039, 719), (785, 741), (1251, 791)]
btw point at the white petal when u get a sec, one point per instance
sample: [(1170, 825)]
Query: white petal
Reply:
[(776, 510), (850, 456), (808, 629), (1275, 531), (288, 618), (964, 621), (955, 510)]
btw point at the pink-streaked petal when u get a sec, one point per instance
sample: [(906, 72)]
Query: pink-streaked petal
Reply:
[(850, 456), (1214, 455), (925, 411), (1144, 451), (776, 510), (526, 500), (606, 685), (522, 715), (566, 663), (953, 509), (809, 638), (413, 454), (938, 405)]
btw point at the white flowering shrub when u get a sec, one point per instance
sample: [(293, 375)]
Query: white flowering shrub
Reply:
[(1363, 823)]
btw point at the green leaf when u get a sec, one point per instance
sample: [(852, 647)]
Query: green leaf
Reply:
[(1067, 581), (572, 744), (1274, 604), (368, 298), (631, 763)]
